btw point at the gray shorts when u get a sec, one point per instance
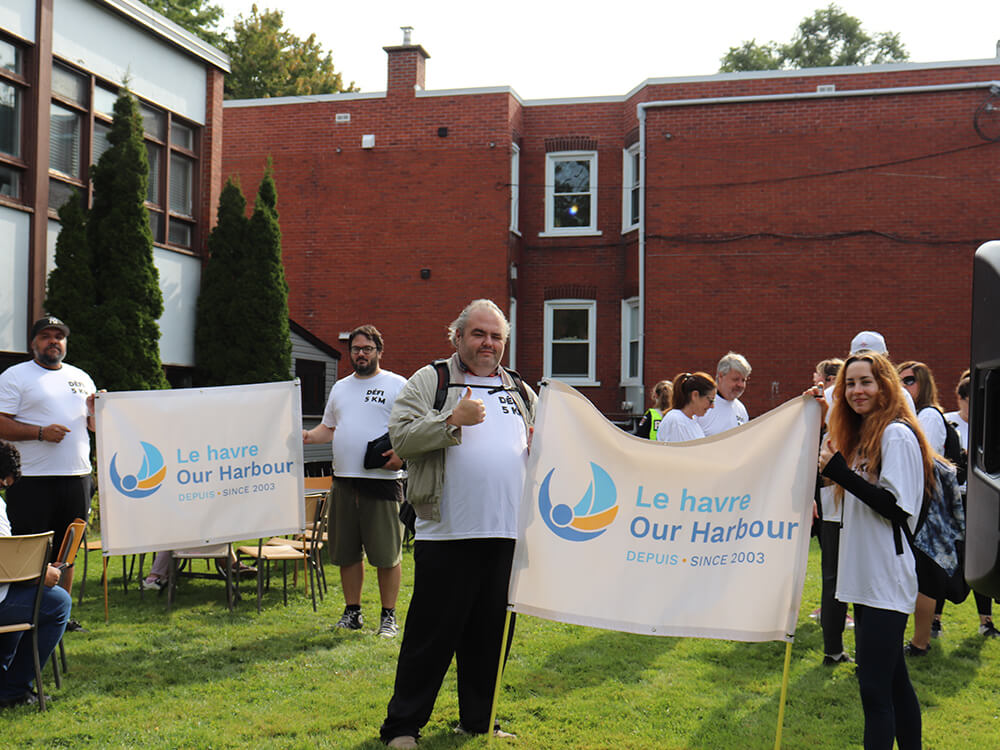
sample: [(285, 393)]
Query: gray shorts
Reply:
[(364, 516)]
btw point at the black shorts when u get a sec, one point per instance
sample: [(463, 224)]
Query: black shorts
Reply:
[(38, 504), (931, 578)]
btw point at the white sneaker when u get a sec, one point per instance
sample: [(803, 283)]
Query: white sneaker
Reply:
[(152, 584), (388, 628), (404, 742)]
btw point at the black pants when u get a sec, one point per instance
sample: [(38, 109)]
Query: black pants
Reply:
[(833, 614), (458, 609), (39, 504), (887, 696)]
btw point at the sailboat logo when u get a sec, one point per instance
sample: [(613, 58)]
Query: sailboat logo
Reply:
[(590, 517)]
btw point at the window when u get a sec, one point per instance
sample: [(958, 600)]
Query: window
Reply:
[(68, 85), (630, 341), (571, 193), (515, 185), (312, 385), (631, 177), (64, 141), (181, 173), (13, 89), (570, 341)]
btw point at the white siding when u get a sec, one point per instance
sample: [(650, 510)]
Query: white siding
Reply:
[(15, 227), (180, 280), (18, 17), (302, 349), (113, 48)]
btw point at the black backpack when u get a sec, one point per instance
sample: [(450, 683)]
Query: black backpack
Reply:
[(441, 365), (953, 448)]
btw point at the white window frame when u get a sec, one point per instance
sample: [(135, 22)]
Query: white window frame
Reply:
[(515, 187), (550, 161), (628, 336), (631, 182), (590, 305)]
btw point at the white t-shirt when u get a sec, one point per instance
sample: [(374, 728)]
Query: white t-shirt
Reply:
[(724, 415), (4, 531), (932, 424), (869, 571), (36, 395), (961, 427), (484, 474), (358, 411), (678, 427)]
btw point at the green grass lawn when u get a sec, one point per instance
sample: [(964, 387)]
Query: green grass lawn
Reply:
[(204, 678)]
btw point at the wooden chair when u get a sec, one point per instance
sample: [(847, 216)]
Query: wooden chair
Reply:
[(24, 559), (71, 542), (284, 550), (310, 541)]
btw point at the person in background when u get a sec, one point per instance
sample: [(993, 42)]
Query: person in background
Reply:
[(650, 421), (727, 410), (826, 371), (17, 602), (881, 462), (959, 419), (694, 394)]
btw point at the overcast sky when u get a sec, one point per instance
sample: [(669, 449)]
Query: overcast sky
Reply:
[(546, 49)]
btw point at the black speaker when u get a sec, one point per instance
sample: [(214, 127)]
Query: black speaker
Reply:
[(982, 549)]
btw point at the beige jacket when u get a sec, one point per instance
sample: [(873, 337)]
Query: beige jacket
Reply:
[(419, 434)]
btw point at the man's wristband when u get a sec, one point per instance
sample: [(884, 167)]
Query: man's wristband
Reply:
[(40, 436)]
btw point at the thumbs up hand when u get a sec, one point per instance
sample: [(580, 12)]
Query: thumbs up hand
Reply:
[(468, 411)]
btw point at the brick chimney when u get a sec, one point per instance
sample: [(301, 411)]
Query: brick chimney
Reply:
[(406, 66)]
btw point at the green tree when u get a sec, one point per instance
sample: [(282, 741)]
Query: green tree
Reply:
[(70, 293), (128, 301), (242, 334), (218, 300), (268, 60), (196, 16), (264, 292), (829, 37)]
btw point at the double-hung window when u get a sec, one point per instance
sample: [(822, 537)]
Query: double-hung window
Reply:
[(570, 335), (631, 177), (630, 341), (571, 193), (12, 97)]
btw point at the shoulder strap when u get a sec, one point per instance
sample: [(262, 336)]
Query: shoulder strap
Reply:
[(441, 394), (519, 383), (925, 506)]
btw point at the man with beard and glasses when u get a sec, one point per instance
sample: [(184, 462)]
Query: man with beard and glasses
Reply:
[(46, 409), (364, 514), (467, 457)]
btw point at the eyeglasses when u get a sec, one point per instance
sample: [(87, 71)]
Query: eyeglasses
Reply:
[(711, 400), (910, 380), (362, 349)]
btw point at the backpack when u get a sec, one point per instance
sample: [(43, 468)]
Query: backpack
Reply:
[(940, 523), (952, 443), (441, 395)]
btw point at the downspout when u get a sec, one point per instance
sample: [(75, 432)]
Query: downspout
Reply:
[(641, 113)]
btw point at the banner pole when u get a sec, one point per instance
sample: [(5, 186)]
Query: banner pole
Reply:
[(784, 694), (496, 687)]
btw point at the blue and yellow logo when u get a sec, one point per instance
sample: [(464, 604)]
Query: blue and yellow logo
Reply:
[(144, 482), (592, 515)]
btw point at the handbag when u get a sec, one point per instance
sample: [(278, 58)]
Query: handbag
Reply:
[(373, 453)]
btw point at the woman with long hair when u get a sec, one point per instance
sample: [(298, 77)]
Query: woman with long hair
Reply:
[(694, 394), (918, 379), (650, 422), (878, 456)]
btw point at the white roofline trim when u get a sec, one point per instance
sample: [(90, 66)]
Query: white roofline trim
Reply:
[(163, 27), (819, 95), (274, 101)]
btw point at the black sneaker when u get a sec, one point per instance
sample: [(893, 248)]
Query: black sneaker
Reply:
[(910, 650), (841, 658), (351, 620), (388, 628), (936, 629), (986, 630)]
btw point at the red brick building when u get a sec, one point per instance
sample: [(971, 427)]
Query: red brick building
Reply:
[(632, 237)]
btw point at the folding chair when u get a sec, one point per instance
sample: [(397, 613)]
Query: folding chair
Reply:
[(71, 542), (23, 559), (304, 550), (311, 541)]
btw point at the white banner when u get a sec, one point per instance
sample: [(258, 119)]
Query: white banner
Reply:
[(706, 539), (199, 466)]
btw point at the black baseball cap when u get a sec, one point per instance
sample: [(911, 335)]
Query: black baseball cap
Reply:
[(49, 322)]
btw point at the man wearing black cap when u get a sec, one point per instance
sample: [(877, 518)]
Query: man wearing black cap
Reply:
[(46, 408)]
